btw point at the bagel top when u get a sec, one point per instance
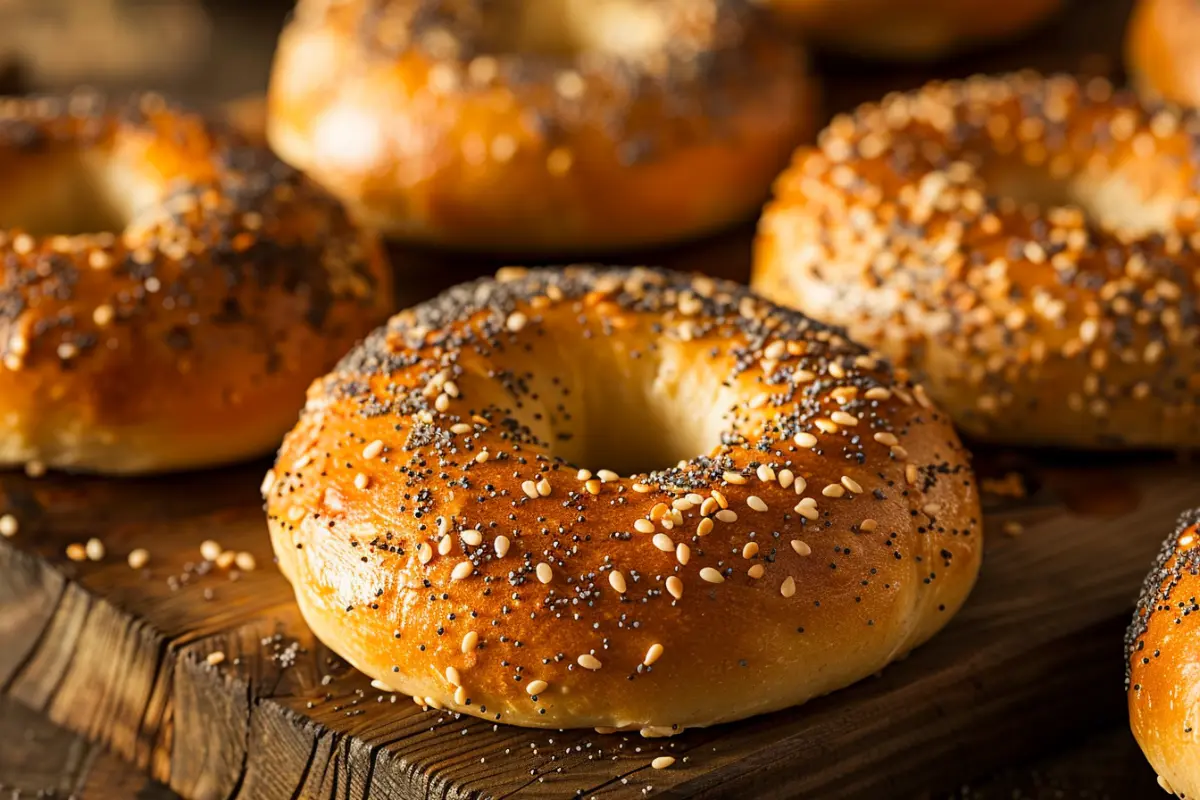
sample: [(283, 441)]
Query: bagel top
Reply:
[(572, 125), (1162, 648), (167, 291), (1027, 245), (625, 499)]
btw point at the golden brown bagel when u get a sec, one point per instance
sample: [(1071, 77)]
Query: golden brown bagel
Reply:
[(1027, 245), (911, 29), (810, 517), (166, 292), (1162, 50), (1162, 653), (569, 125)]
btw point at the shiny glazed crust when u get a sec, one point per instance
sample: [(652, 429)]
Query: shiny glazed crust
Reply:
[(911, 29), (820, 518), (1027, 245), (433, 132), (1162, 651), (186, 336), (1162, 50)]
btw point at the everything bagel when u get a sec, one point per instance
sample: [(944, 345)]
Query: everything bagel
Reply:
[(167, 292), (1027, 245), (623, 499), (564, 126)]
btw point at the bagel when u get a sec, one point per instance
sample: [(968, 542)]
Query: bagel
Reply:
[(452, 513), (552, 127), (1161, 50), (1162, 650), (166, 292), (911, 29), (1026, 245)]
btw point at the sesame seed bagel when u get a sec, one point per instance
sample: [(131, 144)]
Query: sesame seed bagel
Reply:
[(560, 126), (911, 29), (622, 499), (1162, 50), (1027, 245), (166, 292), (1162, 650)]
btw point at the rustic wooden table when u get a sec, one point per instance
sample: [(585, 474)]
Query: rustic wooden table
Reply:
[(40, 760)]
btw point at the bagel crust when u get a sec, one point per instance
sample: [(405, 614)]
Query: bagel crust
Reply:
[(1162, 651), (443, 516), (1162, 50), (911, 29), (1027, 245), (558, 126), (183, 327)]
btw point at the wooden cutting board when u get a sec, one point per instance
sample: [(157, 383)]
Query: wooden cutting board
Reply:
[(124, 655)]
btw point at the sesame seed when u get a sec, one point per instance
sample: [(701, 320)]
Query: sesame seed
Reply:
[(544, 573), (720, 498), (851, 484), (462, 570), (653, 654), (683, 553), (709, 507), (842, 418), (245, 562), (9, 526), (544, 488), (380, 686), (682, 504), (460, 428), (470, 642), (617, 581), (482, 457), (95, 549), (733, 477), (583, 474), (704, 527), (592, 486), (460, 696), (424, 552), (888, 439), (139, 558), (452, 677), (530, 489), (750, 550), (804, 439), (76, 552), (501, 546), (932, 509), (663, 542), (711, 575), (445, 545), (643, 525), (268, 483), (755, 502), (361, 481), (833, 490), (765, 473), (867, 525), (786, 478), (675, 587), (662, 762), (756, 571), (372, 450), (607, 476), (209, 550), (727, 515), (516, 321), (801, 547), (226, 559), (788, 588), (588, 661), (472, 538), (214, 658), (800, 485), (911, 474), (825, 425)]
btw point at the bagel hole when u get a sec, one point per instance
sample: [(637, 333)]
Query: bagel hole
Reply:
[(1113, 201), (68, 193), (566, 29), (632, 415)]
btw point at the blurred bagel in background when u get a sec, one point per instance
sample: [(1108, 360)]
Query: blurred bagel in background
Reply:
[(557, 126)]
